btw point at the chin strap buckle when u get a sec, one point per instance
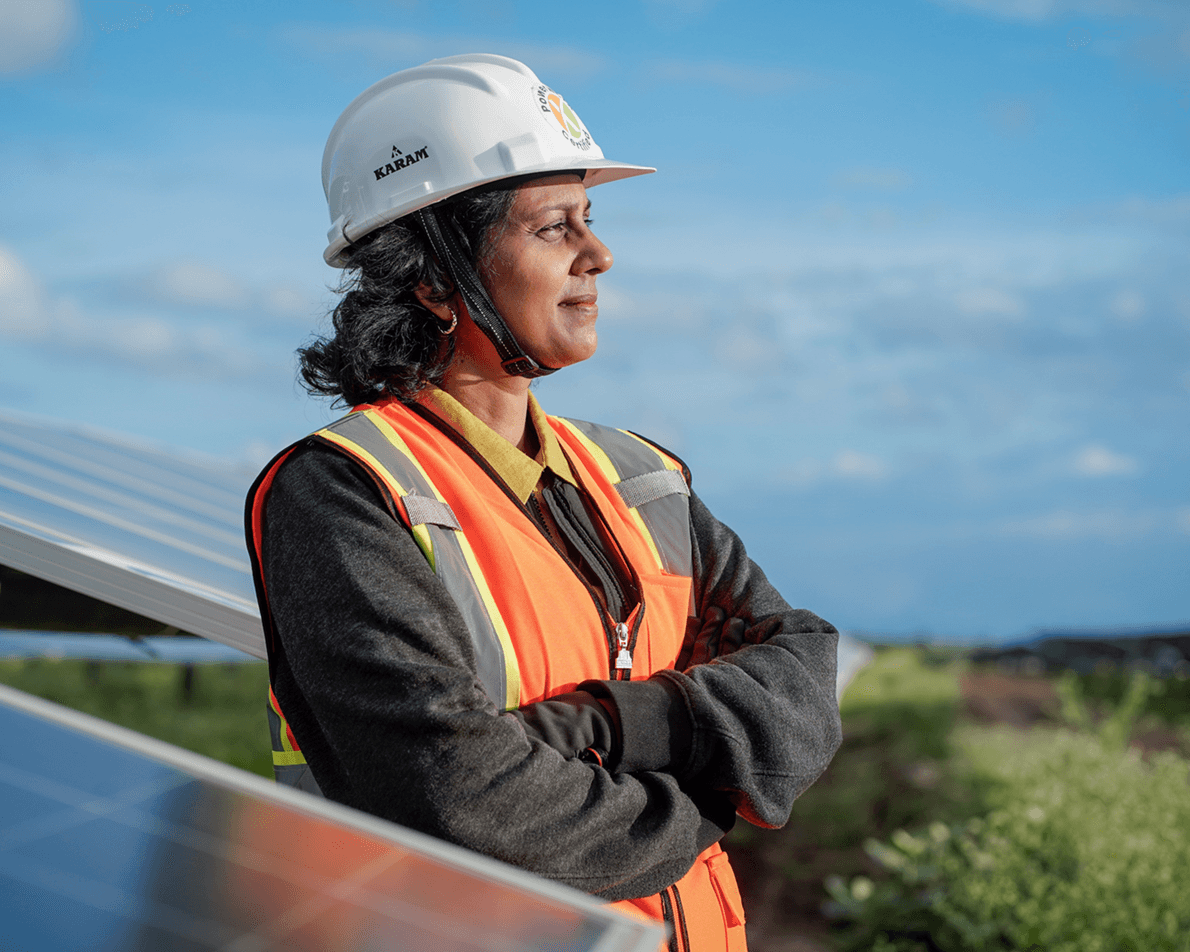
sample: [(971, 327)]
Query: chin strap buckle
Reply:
[(524, 366)]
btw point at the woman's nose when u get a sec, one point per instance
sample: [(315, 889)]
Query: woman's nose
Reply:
[(596, 257)]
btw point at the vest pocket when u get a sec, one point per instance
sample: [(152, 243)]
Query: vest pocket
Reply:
[(723, 881), (668, 601)]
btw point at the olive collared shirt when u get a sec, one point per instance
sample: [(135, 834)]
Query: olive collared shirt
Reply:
[(520, 471)]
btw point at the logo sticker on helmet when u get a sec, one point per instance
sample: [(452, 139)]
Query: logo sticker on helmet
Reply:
[(415, 155), (555, 110)]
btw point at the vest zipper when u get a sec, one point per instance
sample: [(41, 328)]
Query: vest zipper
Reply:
[(667, 915), (680, 917), (605, 619), (623, 656), (675, 917)]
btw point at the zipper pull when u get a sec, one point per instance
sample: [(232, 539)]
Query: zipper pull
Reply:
[(624, 656)]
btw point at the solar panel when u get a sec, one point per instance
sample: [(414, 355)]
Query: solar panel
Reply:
[(159, 533), (110, 840)]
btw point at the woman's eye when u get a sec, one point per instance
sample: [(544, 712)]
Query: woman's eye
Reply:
[(555, 228)]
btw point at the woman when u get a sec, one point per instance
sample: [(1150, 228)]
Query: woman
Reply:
[(517, 633)]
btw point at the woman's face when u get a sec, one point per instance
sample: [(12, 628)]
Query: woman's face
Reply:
[(541, 268)]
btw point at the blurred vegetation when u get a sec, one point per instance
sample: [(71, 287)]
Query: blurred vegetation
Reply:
[(221, 714), (1064, 839), (1104, 690)]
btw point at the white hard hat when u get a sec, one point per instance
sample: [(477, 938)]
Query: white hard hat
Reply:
[(433, 131)]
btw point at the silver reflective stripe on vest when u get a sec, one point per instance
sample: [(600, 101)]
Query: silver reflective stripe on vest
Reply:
[(292, 775), (660, 495), (648, 487), (427, 511), (298, 776), (450, 565)]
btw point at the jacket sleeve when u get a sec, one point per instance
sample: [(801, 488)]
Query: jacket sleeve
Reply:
[(761, 723), (375, 673)]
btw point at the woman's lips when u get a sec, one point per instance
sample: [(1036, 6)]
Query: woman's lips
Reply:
[(584, 303)]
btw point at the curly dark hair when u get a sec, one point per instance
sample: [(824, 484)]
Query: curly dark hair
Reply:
[(386, 341)]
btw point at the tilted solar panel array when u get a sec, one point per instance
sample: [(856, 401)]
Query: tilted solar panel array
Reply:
[(155, 532)]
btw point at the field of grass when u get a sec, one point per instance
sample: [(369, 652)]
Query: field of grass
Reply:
[(222, 715)]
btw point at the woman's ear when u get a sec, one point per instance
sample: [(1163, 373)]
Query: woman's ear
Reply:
[(440, 309)]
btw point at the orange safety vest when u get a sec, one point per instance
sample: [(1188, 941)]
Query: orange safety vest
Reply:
[(536, 626)]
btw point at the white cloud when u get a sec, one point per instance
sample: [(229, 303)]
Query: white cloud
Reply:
[(851, 464), (1129, 306), (122, 16), (687, 7), (1036, 11), (1015, 117), (755, 80), (1065, 524), (874, 179), (29, 313), (846, 464), (194, 283), (22, 304), (33, 32), (1171, 210), (394, 49), (288, 302), (1096, 460), (989, 302)]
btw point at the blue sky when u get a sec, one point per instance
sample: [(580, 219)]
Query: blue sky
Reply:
[(908, 292)]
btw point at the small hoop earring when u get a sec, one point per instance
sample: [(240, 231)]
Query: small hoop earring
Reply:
[(454, 322)]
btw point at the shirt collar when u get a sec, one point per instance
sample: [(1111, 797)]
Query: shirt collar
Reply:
[(520, 472)]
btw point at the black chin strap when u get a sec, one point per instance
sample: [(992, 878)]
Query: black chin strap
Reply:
[(449, 251)]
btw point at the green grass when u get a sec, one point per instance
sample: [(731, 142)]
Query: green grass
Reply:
[(223, 717)]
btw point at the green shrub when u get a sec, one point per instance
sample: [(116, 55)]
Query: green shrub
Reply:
[(1167, 699), (1085, 848), (901, 698)]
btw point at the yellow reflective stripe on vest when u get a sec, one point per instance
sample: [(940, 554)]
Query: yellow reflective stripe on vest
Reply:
[(285, 752), (369, 438), (421, 534), (289, 763), (664, 517)]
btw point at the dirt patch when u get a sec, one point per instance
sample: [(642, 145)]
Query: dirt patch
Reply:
[(1017, 700)]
